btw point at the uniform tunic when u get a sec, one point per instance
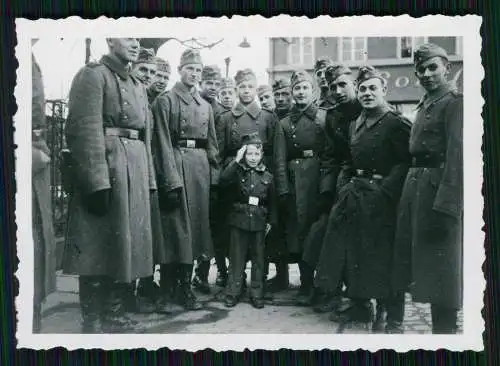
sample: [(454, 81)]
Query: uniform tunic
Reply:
[(117, 244), (252, 208), (186, 117), (43, 231), (429, 243), (360, 230), (301, 139)]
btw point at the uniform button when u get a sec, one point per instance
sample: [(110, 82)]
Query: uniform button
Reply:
[(294, 136), (125, 117), (251, 186), (125, 142), (125, 103), (242, 181), (296, 145), (427, 116), (123, 90)]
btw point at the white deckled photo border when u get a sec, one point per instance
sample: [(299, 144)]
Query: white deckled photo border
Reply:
[(467, 27)]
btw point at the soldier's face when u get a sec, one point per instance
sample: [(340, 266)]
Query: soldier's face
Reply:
[(161, 81), (343, 89), (321, 79), (283, 98), (302, 93), (190, 74), (227, 97), (145, 72), (247, 90), (371, 93), (126, 49), (253, 155), (210, 88), (433, 73), (267, 100)]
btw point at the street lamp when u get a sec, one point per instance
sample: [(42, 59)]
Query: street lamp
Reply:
[(244, 43)]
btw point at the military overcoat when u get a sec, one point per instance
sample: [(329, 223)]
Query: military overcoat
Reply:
[(428, 258), (43, 231), (118, 244), (187, 119), (360, 230)]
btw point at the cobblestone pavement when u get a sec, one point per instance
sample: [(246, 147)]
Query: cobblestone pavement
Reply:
[(62, 314)]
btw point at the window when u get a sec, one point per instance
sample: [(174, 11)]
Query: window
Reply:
[(407, 45), (353, 49), (301, 51), (382, 48)]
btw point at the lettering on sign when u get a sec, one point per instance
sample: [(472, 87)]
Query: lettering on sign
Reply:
[(403, 81)]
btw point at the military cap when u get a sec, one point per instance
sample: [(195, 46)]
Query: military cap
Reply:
[(190, 56), (281, 84), (243, 75), (146, 56), (322, 62), (332, 72), (227, 83), (163, 65), (427, 51), (368, 72), (252, 138), (299, 76), (263, 89), (211, 72)]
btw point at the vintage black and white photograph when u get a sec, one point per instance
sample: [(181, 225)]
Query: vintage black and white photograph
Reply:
[(250, 183)]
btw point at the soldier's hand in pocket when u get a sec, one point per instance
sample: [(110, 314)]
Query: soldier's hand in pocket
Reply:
[(98, 202), (169, 200)]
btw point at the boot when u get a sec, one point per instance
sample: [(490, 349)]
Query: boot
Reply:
[(165, 302), (280, 282), (200, 280), (37, 318), (186, 297), (361, 312), (444, 320), (114, 319), (395, 307), (144, 301), (379, 325), (306, 283), (91, 293), (221, 279)]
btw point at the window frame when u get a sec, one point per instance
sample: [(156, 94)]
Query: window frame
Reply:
[(340, 50), (301, 62)]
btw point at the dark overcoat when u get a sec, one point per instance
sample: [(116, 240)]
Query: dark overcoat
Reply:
[(43, 230), (301, 137), (361, 226), (182, 115), (118, 244), (428, 256)]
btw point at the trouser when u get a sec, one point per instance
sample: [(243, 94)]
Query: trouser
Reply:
[(242, 242)]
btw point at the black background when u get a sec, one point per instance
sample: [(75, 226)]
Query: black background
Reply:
[(490, 32)]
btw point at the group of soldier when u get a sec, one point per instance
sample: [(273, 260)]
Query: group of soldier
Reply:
[(367, 203)]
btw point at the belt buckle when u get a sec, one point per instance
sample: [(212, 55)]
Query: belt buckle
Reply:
[(377, 176), (307, 153), (191, 144), (134, 134), (254, 201), (37, 132), (360, 172)]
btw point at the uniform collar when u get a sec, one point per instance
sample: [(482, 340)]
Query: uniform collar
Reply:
[(309, 112), (259, 168), (185, 94), (115, 65), (252, 109), (373, 119), (431, 99)]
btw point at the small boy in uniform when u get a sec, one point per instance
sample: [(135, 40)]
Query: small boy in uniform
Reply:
[(251, 212)]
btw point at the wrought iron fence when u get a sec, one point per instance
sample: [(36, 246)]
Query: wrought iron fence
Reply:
[(56, 113)]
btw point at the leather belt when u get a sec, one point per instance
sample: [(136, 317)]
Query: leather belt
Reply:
[(192, 143), (303, 154), (37, 134), (124, 132), (365, 173), (418, 162)]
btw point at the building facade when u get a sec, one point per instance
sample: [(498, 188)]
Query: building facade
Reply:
[(393, 56)]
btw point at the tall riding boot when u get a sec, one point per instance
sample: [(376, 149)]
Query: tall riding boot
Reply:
[(361, 312), (91, 294), (444, 320), (200, 280), (165, 302), (37, 318), (144, 300), (379, 325), (114, 319), (186, 296), (306, 284), (279, 282)]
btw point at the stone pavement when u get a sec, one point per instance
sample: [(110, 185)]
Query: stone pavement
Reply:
[(62, 314)]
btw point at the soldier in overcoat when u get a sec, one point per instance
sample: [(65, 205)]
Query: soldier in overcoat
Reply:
[(251, 213), (282, 97), (325, 99), (43, 230), (108, 243), (342, 86), (428, 258), (266, 97), (361, 225), (145, 67), (161, 79), (227, 94), (210, 83), (186, 118), (301, 140)]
